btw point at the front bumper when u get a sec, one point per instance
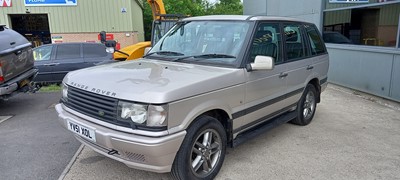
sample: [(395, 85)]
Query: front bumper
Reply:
[(154, 154)]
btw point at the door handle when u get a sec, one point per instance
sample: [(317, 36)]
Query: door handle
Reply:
[(310, 67), (52, 64), (283, 75)]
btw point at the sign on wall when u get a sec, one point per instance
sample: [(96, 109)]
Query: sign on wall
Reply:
[(56, 39), (348, 1), (5, 3), (51, 2)]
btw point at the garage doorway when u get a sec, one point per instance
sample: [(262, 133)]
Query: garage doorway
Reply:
[(35, 27)]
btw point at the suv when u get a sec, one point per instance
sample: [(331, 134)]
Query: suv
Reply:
[(209, 83), (16, 63), (54, 61)]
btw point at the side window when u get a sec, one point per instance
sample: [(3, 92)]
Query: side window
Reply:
[(294, 42), (94, 50), (266, 42), (42, 53), (68, 51), (317, 46)]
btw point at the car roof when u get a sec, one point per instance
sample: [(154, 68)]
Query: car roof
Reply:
[(242, 18), (53, 44)]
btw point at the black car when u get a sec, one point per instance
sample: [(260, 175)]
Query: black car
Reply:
[(16, 63), (54, 61), (335, 37)]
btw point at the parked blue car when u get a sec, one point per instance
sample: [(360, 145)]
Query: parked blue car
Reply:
[(54, 61)]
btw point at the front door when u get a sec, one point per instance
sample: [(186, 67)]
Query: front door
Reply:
[(265, 88)]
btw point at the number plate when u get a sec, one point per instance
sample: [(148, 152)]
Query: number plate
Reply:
[(83, 131)]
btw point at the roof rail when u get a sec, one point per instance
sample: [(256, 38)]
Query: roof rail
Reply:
[(255, 15)]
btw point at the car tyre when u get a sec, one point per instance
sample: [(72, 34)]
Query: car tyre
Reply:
[(202, 152), (306, 106)]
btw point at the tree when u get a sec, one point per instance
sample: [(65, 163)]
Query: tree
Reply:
[(191, 8), (234, 7)]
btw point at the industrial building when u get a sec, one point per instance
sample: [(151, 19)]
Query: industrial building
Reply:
[(54, 21)]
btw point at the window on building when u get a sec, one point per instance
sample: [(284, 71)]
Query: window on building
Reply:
[(68, 51), (374, 24)]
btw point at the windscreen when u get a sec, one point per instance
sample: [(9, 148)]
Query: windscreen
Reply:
[(202, 41)]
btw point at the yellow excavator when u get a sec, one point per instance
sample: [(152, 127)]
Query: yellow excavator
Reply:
[(162, 22)]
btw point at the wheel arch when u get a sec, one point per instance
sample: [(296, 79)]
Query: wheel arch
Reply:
[(316, 84), (222, 116)]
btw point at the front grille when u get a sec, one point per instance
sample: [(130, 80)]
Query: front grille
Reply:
[(94, 105)]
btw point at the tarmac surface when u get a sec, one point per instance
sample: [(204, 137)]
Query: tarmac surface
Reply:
[(33, 145), (352, 136)]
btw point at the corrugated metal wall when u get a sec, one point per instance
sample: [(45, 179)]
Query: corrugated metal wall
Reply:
[(337, 17), (387, 16), (339, 5), (137, 19), (87, 16), (386, 13)]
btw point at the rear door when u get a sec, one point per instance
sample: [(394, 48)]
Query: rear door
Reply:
[(298, 61), (68, 57), (318, 52), (43, 56)]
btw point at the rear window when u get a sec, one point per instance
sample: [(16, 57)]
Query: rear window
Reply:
[(94, 50), (317, 45), (68, 51)]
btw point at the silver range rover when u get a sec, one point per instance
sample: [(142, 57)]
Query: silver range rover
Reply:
[(211, 82)]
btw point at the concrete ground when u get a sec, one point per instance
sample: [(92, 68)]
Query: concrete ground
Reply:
[(33, 145), (351, 137)]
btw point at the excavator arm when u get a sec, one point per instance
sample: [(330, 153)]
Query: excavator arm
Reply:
[(157, 8), (136, 51), (162, 22)]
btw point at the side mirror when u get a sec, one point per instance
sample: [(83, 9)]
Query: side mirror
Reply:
[(102, 36), (110, 46), (261, 63)]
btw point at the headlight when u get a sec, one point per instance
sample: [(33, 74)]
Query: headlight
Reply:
[(64, 91), (149, 115)]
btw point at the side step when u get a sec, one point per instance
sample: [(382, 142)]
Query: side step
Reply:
[(263, 127)]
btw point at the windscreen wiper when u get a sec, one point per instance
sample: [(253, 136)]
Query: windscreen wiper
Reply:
[(205, 56), (172, 53)]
